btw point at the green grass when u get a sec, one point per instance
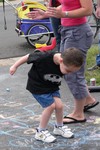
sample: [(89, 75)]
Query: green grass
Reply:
[(91, 61)]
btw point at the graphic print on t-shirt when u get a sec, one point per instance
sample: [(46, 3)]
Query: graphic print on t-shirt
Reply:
[(53, 78)]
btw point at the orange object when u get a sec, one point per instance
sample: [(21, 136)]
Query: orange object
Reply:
[(49, 47)]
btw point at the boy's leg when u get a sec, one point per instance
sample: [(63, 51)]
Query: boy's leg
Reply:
[(47, 102), (42, 134), (59, 129), (46, 114), (59, 110)]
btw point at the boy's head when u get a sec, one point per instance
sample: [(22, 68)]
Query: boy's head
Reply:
[(71, 60)]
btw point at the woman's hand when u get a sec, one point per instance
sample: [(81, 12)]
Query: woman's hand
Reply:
[(98, 12), (55, 12), (37, 14)]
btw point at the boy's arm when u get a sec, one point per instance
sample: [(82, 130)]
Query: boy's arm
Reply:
[(21, 61)]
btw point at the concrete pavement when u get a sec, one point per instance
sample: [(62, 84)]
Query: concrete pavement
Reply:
[(20, 115)]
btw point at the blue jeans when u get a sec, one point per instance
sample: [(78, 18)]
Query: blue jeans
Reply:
[(56, 24)]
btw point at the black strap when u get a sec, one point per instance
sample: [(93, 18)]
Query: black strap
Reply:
[(5, 25)]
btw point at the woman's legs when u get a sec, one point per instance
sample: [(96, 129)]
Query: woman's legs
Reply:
[(78, 112), (77, 85), (89, 99), (75, 37)]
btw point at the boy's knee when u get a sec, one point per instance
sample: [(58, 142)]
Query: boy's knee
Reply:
[(52, 106), (60, 106)]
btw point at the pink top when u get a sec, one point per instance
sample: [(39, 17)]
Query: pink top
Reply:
[(68, 5)]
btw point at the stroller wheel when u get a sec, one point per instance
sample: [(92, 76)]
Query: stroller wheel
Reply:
[(38, 33)]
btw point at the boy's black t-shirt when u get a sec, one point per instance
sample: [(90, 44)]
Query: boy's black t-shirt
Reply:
[(44, 76)]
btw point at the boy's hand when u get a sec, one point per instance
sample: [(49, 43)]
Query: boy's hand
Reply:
[(12, 70)]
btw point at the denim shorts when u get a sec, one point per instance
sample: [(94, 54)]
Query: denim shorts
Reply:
[(46, 100)]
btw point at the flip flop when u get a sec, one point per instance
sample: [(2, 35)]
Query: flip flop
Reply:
[(73, 120), (89, 106)]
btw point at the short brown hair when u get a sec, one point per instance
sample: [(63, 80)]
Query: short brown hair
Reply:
[(72, 56)]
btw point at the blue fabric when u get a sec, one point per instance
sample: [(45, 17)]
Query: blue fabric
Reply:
[(98, 60), (46, 100), (56, 22)]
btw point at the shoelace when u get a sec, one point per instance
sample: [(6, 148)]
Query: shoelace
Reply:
[(65, 128), (46, 133)]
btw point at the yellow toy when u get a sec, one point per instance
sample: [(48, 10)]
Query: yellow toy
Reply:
[(37, 45), (27, 6)]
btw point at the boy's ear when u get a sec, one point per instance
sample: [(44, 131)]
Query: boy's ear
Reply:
[(61, 60)]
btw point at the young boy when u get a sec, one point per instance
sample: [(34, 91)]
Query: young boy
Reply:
[(44, 79)]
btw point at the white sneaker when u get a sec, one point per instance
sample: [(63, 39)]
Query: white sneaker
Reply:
[(64, 131), (44, 136)]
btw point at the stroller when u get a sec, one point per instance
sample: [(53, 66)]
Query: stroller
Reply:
[(34, 31)]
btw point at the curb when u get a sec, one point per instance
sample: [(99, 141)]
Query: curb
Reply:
[(10, 61), (15, 2)]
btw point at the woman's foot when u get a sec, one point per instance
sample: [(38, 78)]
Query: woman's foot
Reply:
[(89, 100), (89, 106), (72, 118)]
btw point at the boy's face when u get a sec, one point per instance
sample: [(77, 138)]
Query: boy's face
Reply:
[(68, 69)]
